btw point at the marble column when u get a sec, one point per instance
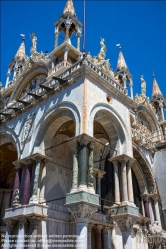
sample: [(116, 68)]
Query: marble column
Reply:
[(105, 237), (90, 226), (125, 227), (8, 77), (131, 89), (34, 198), (116, 177), (124, 181), (156, 208), (27, 184), (78, 41), (82, 233), (90, 169), (21, 233), (9, 228), (99, 175), (17, 180), (146, 205), (98, 240), (34, 222), (56, 38), (74, 187), (83, 165), (66, 49), (43, 182), (142, 206), (129, 182)]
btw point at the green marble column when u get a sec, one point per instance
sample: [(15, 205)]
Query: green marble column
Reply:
[(83, 166), (75, 169), (90, 170)]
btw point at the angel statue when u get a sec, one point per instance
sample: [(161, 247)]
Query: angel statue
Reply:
[(103, 48), (143, 85)]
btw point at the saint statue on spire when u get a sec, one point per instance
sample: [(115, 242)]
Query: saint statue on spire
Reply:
[(143, 86)]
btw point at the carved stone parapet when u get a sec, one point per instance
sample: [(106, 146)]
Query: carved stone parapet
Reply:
[(82, 211)]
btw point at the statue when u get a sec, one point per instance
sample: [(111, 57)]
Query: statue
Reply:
[(34, 41), (103, 48), (16, 199), (89, 56), (143, 85)]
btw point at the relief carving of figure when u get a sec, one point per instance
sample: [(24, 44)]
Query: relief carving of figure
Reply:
[(27, 128)]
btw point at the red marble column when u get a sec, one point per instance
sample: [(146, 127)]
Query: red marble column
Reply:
[(98, 241), (147, 213), (17, 181), (27, 184)]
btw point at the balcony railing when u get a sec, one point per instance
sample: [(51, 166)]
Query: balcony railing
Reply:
[(59, 66)]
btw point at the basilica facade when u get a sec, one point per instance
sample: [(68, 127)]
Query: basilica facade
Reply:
[(83, 161)]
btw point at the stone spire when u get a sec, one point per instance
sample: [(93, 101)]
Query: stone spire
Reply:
[(21, 51), (69, 7), (156, 90), (121, 65)]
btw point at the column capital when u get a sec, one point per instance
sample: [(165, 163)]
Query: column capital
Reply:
[(18, 164), (66, 48), (90, 226), (82, 212), (106, 229), (155, 197), (22, 222), (122, 159), (126, 224), (99, 227), (91, 145), (34, 221), (9, 223), (99, 173)]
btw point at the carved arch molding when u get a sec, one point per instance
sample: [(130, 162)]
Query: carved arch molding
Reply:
[(146, 169)]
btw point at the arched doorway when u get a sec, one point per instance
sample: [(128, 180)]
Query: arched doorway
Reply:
[(8, 154)]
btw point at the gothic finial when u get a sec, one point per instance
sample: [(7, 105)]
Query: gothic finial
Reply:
[(21, 51), (121, 65), (156, 90), (69, 7)]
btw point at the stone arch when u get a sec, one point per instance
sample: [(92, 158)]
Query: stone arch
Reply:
[(8, 135), (150, 117), (108, 117), (21, 84), (145, 169), (63, 112)]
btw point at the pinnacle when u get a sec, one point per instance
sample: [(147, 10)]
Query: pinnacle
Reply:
[(69, 7), (21, 51), (156, 90), (121, 62)]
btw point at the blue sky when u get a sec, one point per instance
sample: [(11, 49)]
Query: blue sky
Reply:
[(139, 26)]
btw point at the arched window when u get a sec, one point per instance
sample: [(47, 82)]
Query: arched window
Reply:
[(143, 121)]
